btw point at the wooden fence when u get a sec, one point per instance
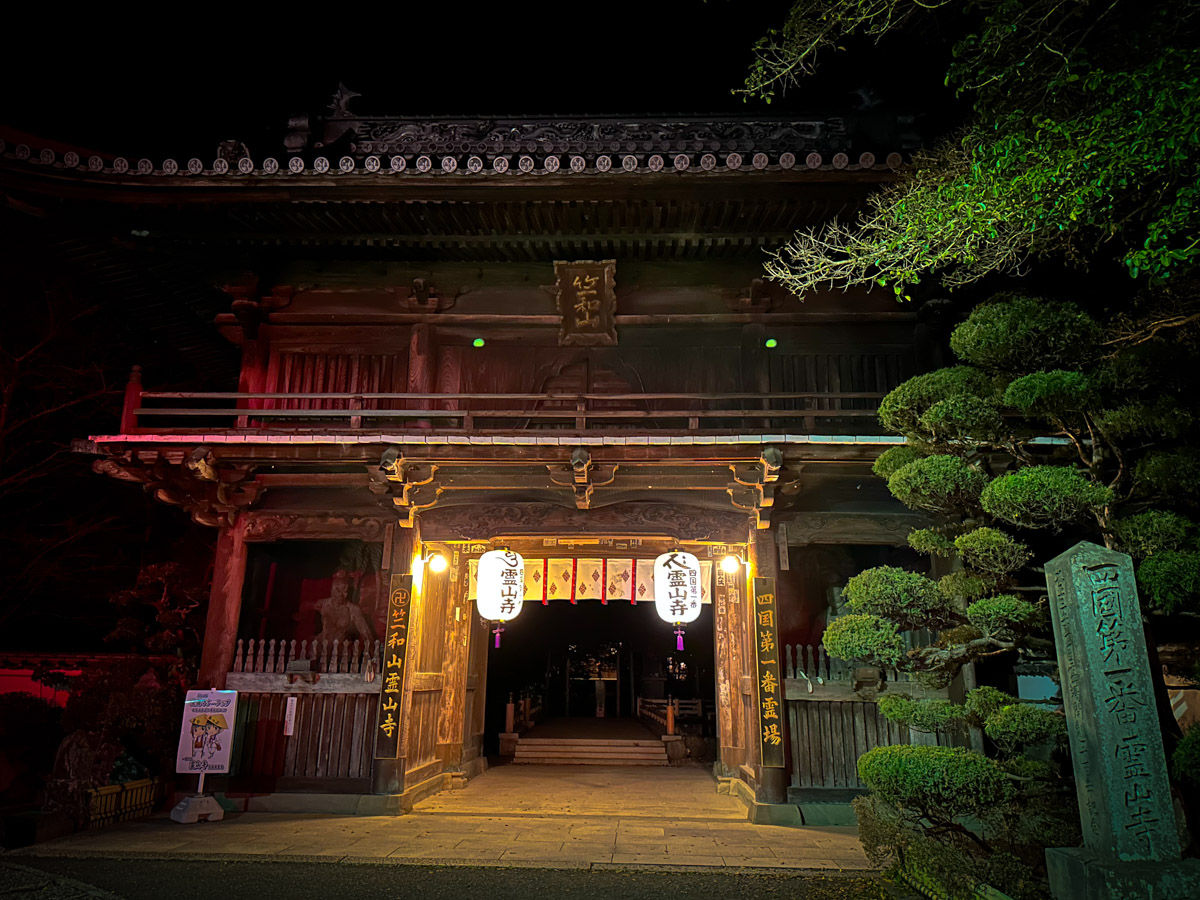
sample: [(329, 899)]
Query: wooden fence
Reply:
[(329, 748), (272, 656)]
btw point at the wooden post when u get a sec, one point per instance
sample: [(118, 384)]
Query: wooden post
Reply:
[(510, 717), (670, 716), (133, 399), (772, 777), (253, 377), (224, 605), (421, 362)]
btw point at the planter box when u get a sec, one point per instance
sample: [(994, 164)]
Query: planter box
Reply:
[(130, 800)]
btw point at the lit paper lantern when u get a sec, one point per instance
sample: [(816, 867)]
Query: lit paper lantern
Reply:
[(677, 590), (500, 587)]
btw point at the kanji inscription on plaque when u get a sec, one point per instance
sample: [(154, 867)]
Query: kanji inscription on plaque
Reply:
[(586, 294)]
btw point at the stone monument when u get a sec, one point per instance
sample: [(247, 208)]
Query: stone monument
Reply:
[(1130, 844)]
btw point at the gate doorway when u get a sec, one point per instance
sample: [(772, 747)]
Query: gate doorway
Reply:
[(585, 670)]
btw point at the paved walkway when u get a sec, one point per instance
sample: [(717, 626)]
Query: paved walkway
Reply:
[(543, 816)]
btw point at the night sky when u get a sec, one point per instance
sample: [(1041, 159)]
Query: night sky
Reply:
[(199, 79)]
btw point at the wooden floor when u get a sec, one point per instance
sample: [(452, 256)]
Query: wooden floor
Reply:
[(591, 728)]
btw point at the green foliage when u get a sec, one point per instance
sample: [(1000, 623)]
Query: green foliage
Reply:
[(962, 419), (939, 483), (1154, 421), (910, 599), (1170, 580), (924, 715), (1016, 334), (892, 459), (1152, 531), (930, 542), (1174, 474), (864, 637), (992, 551), (1043, 496), (901, 410), (1003, 616), (1023, 725), (949, 780), (1185, 761), (962, 585), (1053, 393), (983, 702)]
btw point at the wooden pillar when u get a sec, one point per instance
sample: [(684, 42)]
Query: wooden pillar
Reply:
[(455, 663), (387, 775), (422, 361), (224, 605), (729, 614), (772, 780), (133, 399), (252, 379)]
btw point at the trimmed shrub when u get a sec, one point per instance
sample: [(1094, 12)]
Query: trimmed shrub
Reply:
[(951, 780), (1174, 474), (992, 551), (1043, 496), (1170, 580), (959, 419), (1185, 761), (1019, 334), (892, 459), (1152, 531), (962, 586), (924, 715), (983, 702), (1002, 616), (937, 484), (1164, 419), (864, 637), (908, 598), (930, 542), (1049, 393), (1023, 725), (901, 410)]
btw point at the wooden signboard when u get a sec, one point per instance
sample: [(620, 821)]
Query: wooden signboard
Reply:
[(770, 682), (395, 651), (587, 301)]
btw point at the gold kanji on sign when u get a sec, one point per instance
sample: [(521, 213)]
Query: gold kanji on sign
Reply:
[(587, 302)]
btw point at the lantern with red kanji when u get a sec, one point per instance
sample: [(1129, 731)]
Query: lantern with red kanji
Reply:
[(500, 587), (677, 590)]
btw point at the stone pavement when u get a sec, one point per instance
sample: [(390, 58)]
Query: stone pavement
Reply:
[(543, 816)]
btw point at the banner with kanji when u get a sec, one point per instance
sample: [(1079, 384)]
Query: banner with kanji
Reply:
[(770, 682), (395, 652)]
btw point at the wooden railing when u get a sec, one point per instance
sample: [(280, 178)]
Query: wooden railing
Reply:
[(329, 657), (667, 714), (185, 412)]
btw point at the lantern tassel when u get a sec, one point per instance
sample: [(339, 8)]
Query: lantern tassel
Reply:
[(497, 631), (679, 638)]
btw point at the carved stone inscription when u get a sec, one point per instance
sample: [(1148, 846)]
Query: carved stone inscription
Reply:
[(1120, 769), (587, 302)]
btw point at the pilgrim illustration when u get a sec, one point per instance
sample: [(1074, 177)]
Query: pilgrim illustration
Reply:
[(213, 727), (198, 737)]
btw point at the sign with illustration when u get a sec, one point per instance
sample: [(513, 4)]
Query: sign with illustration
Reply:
[(770, 682), (395, 652), (206, 736)]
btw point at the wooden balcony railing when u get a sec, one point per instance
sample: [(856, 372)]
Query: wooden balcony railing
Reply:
[(483, 413)]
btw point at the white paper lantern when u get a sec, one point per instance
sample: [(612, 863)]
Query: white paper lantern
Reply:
[(500, 585), (677, 587)]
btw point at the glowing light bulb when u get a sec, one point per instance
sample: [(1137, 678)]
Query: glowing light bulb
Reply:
[(771, 343), (730, 564), (437, 563), (478, 342)]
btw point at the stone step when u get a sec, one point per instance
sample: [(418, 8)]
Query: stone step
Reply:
[(568, 754), (618, 761), (551, 742)]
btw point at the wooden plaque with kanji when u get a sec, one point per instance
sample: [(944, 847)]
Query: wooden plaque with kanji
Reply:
[(587, 301)]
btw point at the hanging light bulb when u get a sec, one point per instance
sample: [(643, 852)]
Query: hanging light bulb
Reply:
[(438, 562), (730, 564)]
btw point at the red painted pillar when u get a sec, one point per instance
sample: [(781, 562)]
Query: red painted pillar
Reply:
[(421, 361), (224, 605), (133, 399)]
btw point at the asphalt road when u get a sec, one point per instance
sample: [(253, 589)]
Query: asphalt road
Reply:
[(49, 878)]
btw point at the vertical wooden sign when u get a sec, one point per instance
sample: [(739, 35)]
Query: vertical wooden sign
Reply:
[(587, 301), (770, 684), (395, 651)]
